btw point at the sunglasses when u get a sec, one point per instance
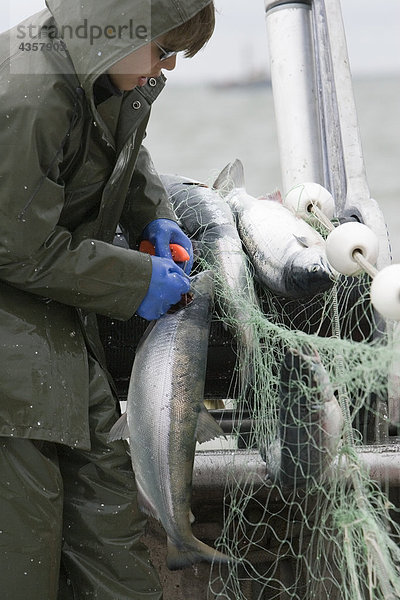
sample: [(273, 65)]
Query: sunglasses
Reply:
[(165, 54)]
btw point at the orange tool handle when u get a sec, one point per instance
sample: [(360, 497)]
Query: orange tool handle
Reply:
[(179, 254)]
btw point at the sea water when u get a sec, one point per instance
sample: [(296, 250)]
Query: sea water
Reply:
[(195, 131)]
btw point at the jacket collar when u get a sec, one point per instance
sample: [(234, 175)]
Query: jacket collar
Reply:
[(103, 89)]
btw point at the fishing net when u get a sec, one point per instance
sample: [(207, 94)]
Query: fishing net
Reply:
[(310, 522)]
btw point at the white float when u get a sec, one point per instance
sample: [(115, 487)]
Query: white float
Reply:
[(305, 197), (385, 292), (352, 248), (345, 240)]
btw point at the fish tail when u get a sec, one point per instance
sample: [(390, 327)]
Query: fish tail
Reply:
[(232, 176), (197, 551)]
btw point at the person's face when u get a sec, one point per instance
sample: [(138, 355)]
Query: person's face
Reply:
[(135, 69)]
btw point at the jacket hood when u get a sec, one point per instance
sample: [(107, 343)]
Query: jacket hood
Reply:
[(98, 33)]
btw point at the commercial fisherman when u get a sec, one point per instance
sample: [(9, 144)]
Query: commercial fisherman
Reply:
[(77, 81)]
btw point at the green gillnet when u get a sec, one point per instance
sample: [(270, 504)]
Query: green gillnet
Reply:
[(316, 526)]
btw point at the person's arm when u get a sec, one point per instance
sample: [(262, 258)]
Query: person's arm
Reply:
[(146, 201), (148, 213), (36, 255)]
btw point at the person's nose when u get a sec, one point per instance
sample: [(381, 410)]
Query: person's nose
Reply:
[(169, 64)]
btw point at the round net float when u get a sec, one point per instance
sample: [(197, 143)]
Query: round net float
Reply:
[(305, 197), (385, 292), (344, 241)]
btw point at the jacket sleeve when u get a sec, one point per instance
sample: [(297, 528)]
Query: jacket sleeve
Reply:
[(147, 199), (36, 254)]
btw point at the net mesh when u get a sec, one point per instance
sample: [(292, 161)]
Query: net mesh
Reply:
[(330, 534), (314, 380)]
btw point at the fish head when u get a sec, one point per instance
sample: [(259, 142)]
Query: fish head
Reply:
[(308, 272)]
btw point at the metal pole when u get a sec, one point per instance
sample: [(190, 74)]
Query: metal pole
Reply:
[(214, 469), (335, 69), (344, 167), (293, 80)]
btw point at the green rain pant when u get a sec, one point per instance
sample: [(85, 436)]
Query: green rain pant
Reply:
[(70, 527)]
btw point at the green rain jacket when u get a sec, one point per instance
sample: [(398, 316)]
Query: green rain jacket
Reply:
[(68, 176)]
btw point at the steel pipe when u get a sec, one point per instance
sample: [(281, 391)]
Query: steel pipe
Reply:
[(214, 470), (293, 79)]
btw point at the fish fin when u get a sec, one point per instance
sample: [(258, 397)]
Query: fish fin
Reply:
[(207, 427), (192, 518), (302, 240), (145, 503), (120, 430), (231, 176), (193, 552)]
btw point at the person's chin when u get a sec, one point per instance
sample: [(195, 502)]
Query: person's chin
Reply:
[(129, 86)]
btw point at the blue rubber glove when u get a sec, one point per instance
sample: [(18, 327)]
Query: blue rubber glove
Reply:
[(168, 283), (163, 232)]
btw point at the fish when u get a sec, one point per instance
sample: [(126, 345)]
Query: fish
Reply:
[(209, 221), (165, 416), (288, 255), (310, 422)]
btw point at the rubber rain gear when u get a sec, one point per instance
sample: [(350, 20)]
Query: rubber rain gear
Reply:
[(69, 173)]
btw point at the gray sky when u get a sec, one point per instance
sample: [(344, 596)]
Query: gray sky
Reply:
[(239, 44)]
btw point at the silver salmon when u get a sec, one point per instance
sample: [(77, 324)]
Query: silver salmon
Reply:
[(310, 422), (288, 255), (165, 416), (209, 221)]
